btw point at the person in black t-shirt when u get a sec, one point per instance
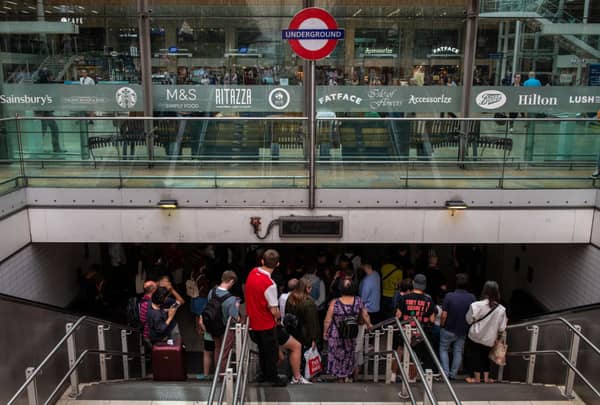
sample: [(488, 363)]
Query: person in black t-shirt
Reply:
[(421, 306)]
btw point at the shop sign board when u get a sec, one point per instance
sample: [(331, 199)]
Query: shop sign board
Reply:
[(225, 99), (63, 99), (388, 99), (18, 98), (313, 33), (548, 99)]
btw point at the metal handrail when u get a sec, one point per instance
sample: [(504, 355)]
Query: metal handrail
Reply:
[(241, 363), (435, 359), (565, 322), (213, 386), (405, 377), (56, 348), (46, 360), (78, 361), (382, 324), (564, 359), (413, 356)]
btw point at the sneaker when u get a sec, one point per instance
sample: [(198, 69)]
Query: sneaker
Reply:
[(300, 380)]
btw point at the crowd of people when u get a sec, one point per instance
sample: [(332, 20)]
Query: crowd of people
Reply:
[(326, 305)]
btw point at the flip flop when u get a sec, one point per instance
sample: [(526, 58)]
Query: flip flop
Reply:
[(490, 381), (470, 380)]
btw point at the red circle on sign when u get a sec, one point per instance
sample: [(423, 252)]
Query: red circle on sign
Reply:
[(319, 14)]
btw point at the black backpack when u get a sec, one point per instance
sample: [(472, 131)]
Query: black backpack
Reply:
[(212, 316), (349, 325)]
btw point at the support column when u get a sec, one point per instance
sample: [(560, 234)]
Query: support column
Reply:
[(505, 48), (498, 78), (146, 67), (470, 45), (516, 47)]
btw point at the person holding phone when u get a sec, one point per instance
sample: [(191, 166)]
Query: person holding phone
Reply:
[(161, 319)]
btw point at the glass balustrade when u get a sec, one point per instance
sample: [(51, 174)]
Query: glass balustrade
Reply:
[(266, 152)]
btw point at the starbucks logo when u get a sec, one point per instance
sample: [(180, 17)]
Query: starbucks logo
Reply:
[(126, 97), (279, 98)]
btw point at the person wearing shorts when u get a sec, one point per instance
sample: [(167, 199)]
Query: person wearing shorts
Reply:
[(209, 350), (294, 347)]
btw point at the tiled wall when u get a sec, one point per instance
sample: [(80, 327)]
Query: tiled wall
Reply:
[(563, 276), (45, 273)]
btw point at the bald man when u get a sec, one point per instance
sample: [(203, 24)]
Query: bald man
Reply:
[(291, 285), (149, 289)]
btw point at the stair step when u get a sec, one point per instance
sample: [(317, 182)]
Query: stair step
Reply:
[(321, 393)]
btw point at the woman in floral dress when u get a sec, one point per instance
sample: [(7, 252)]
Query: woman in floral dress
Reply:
[(340, 357)]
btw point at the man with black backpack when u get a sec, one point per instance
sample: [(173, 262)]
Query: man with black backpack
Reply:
[(221, 306)]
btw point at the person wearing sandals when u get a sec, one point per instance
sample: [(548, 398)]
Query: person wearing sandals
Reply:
[(487, 320), (341, 361)]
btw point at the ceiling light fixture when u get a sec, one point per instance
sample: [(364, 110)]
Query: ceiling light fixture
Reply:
[(454, 205), (167, 204), (393, 13), (357, 12)]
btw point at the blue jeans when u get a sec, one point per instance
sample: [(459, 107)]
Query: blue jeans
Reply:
[(446, 339)]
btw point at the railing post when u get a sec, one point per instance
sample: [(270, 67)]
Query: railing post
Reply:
[(405, 354), (72, 355), (32, 393), (238, 344), (124, 334), (573, 353), (365, 357), (229, 386), (429, 382), (102, 346), (376, 348), (142, 355), (501, 368), (389, 347), (533, 342)]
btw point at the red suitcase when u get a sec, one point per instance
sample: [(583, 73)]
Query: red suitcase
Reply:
[(167, 362)]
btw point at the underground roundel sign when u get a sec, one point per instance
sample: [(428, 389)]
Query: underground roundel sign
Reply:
[(313, 33)]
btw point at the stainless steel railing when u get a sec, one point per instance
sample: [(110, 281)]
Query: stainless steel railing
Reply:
[(386, 329), (71, 328), (235, 375), (570, 362)]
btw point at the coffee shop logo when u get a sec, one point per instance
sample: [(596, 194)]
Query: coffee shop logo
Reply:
[(279, 98), (490, 99), (126, 97)]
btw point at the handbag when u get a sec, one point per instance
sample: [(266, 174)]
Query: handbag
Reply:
[(472, 329), (498, 353), (313, 363), (349, 325)]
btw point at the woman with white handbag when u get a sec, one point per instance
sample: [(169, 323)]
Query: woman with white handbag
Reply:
[(488, 320)]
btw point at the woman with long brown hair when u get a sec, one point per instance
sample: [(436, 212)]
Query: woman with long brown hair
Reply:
[(303, 307)]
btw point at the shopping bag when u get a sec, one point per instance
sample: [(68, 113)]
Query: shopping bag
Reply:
[(313, 363), (498, 353)]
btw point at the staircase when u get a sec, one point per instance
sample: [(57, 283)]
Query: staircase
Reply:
[(545, 14), (58, 65)]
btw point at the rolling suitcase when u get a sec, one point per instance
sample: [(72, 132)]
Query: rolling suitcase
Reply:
[(167, 362)]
